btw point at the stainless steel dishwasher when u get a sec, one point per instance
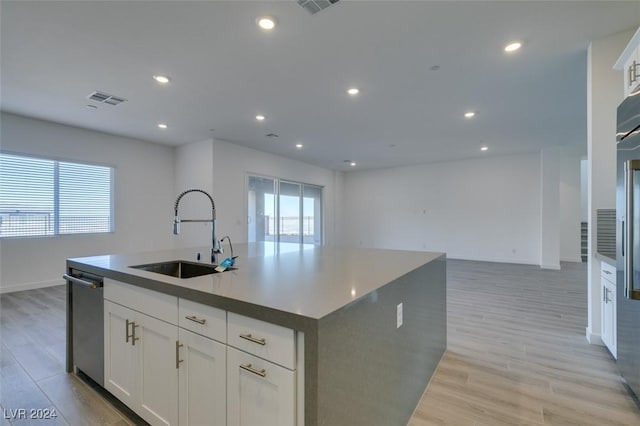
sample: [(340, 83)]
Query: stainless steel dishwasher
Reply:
[(85, 319)]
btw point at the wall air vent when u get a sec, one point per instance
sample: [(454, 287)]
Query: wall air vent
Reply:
[(105, 98), (315, 6), (271, 135)]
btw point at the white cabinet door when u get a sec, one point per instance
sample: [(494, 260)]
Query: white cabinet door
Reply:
[(158, 373), (258, 392), (632, 72), (120, 362), (609, 318), (202, 380), (607, 323), (140, 363)]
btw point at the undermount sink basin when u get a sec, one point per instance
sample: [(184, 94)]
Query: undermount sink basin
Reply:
[(179, 268)]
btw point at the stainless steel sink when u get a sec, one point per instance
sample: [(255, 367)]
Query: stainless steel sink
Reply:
[(179, 268)]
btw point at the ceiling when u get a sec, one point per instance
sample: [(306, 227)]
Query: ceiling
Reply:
[(225, 71)]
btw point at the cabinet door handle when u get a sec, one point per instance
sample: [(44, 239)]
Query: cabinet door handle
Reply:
[(604, 294), (196, 319), (178, 360), (607, 272), (127, 336), (133, 333), (250, 338), (249, 368)]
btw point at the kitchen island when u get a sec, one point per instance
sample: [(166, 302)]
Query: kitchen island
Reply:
[(369, 325)]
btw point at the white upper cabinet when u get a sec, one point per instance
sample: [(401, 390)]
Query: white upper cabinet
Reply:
[(629, 63)]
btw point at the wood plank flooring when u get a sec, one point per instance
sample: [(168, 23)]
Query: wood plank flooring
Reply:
[(32, 360), (517, 355)]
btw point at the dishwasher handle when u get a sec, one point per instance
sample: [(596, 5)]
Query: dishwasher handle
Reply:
[(90, 284)]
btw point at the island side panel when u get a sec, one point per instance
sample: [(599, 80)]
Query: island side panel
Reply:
[(369, 371)]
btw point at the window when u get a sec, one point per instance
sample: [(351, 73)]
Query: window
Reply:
[(284, 211), (46, 197)]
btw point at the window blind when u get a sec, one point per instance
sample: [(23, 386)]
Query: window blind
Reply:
[(41, 197)]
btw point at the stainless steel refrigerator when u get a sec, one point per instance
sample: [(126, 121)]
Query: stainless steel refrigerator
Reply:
[(628, 241)]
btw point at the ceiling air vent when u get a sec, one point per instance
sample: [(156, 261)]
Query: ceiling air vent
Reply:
[(271, 135), (315, 6), (105, 98)]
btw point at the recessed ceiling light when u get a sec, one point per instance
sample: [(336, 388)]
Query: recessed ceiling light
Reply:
[(260, 117), (298, 145), (162, 125), (267, 22), (512, 47), (162, 79), (469, 114), (353, 164), (484, 148), (353, 91)]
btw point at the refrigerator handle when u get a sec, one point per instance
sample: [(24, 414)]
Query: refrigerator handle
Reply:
[(630, 166), (623, 237)]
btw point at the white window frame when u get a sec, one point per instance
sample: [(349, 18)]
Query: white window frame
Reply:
[(56, 196), (277, 181)]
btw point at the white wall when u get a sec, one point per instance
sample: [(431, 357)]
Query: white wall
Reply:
[(144, 185), (584, 190), (570, 203), (604, 94), (228, 173), (481, 209), (193, 170), (550, 207)]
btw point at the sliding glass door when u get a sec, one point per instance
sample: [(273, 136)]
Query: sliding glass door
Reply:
[(311, 214), (261, 221), (284, 211)]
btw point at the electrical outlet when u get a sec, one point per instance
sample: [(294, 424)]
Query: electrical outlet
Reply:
[(399, 315)]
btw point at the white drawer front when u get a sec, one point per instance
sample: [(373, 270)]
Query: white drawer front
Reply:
[(608, 271), (202, 319), (152, 303), (259, 392), (269, 341)]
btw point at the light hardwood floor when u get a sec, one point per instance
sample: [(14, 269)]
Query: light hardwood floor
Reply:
[(517, 355)]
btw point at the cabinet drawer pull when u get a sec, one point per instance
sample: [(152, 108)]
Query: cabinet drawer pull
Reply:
[(250, 338), (196, 319), (249, 368), (607, 272)]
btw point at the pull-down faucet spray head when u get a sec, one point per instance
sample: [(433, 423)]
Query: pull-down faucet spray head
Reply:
[(176, 225), (215, 244)]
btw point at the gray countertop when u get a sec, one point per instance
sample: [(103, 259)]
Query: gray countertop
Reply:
[(308, 281)]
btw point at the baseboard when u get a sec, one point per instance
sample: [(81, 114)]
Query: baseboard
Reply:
[(554, 266), (571, 259), (593, 338), (493, 259), (30, 286)]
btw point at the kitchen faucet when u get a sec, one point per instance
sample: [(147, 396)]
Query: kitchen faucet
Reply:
[(215, 244)]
